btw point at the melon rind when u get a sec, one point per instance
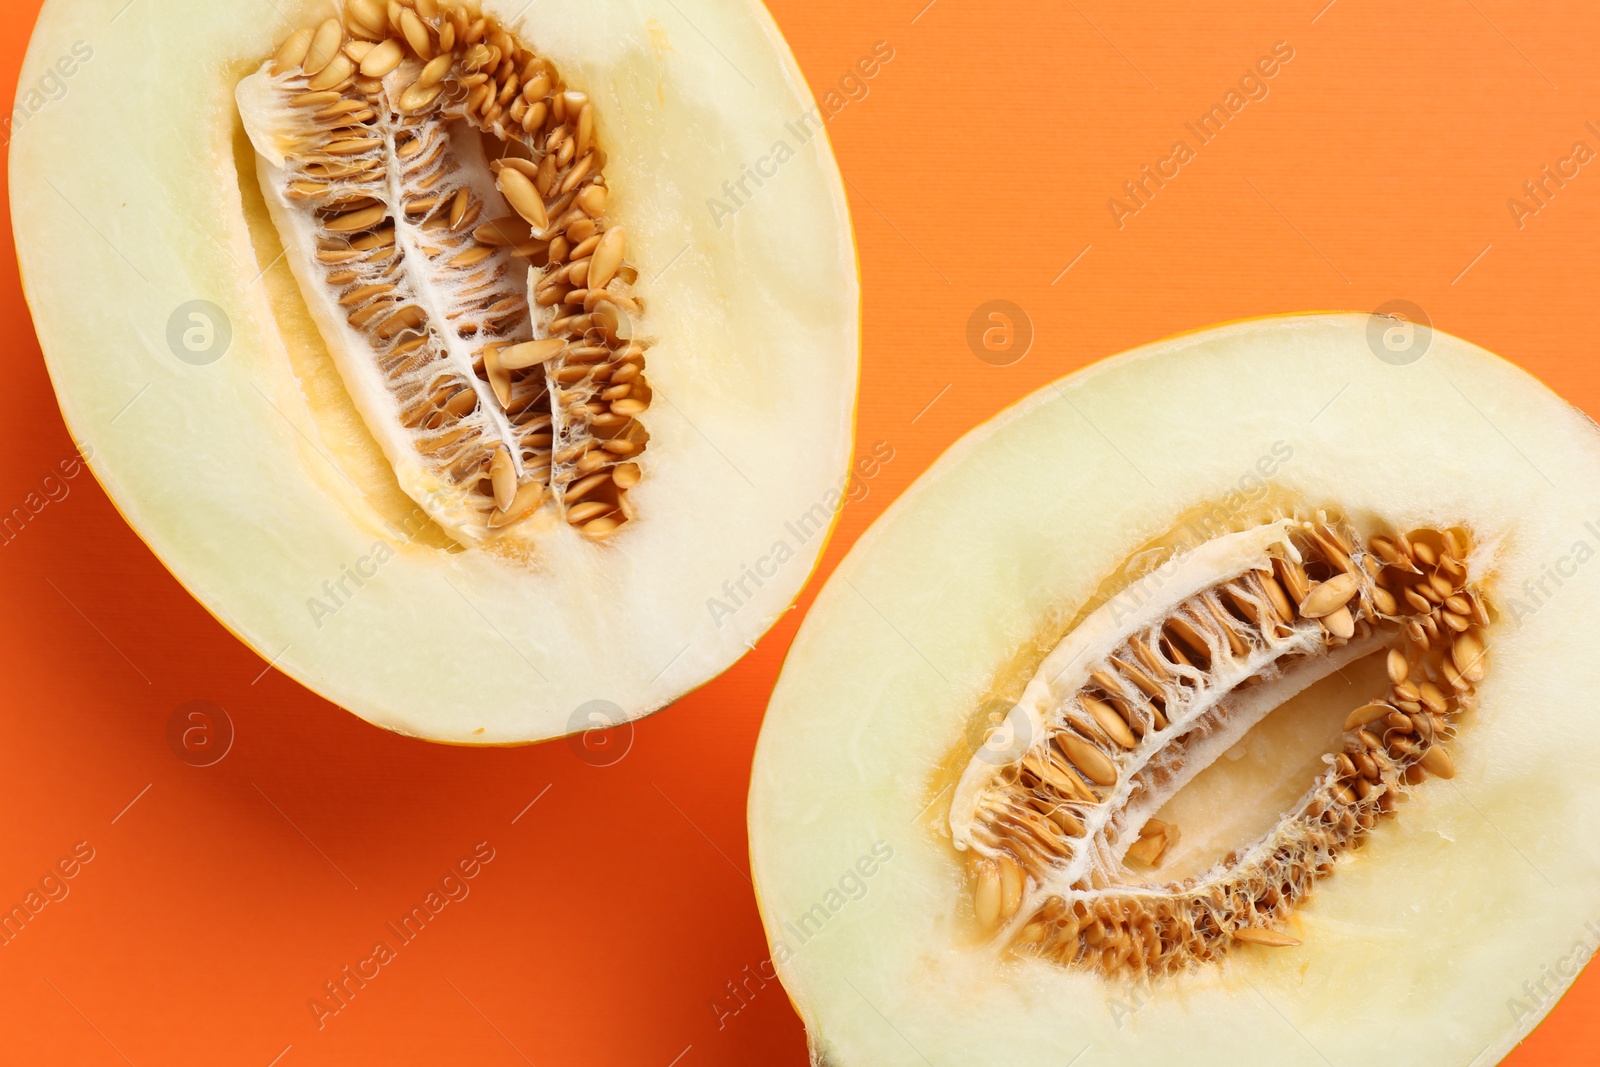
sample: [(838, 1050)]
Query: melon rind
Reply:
[(255, 490), (1442, 942)]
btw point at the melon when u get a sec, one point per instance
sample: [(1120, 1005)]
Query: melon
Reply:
[(418, 341), (1229, 701)]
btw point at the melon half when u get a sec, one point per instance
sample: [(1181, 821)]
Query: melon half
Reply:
[(404, 334), (1228, 702)]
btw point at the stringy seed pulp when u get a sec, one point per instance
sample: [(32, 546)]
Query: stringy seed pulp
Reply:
[(1055, 812), (484, 312)]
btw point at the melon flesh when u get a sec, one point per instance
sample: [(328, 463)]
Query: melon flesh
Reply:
[(255, 478), (1442, 940)]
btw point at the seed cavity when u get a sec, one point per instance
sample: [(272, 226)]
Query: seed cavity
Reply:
[(447, 190), (1057, 808)]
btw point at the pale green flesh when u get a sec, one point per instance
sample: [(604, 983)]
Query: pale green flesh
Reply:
[(1419, 945), (127, 200)]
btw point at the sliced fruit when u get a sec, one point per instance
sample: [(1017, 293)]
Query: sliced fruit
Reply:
[(1253, 743), (403, 334)]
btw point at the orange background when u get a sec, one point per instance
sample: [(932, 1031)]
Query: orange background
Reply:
[(617, 908)]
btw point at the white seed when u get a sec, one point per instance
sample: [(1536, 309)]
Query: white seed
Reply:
[(1468, 655), (1437, 761), (419, 97), (592, 199), (434, 72), (337, 70), (607, 258), (1108, 720), (1367, 713), (1010, 887), (1330, 596), (1397, 666), (382, 59), (294, 50), (1090, 760), (626, 475), (416, 33), (370, 14), (499, 377), (324, 46), (503, 475), (1340, 623), (532, 353), (523, 198)]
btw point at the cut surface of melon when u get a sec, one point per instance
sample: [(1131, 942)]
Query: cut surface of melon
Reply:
[(1260, 739), (498, 405)]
